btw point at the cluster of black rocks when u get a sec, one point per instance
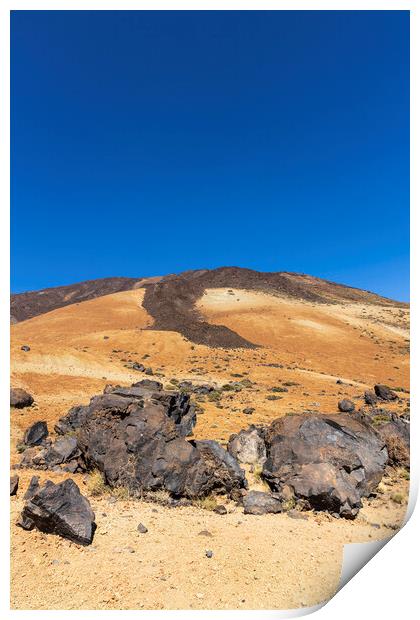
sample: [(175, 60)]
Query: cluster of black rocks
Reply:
[(137, 437)]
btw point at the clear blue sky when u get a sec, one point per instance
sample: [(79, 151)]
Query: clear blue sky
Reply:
[(148, 143)]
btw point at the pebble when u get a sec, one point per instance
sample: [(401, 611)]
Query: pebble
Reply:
[(209, 553), (142, 528)]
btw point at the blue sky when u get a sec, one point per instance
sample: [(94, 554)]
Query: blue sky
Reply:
[(147, 143)]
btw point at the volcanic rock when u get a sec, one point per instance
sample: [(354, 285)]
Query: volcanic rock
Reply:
[(137, 439), (370, 397), (19, 398), (329, 462), (260, 503), (346, 406), (385, 393), (72, 421), (248, 446), (33, 488), (14, 484), (36, 434), (60, 509)]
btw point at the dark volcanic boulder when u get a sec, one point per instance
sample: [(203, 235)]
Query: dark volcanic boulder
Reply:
[(385, 393), (248, 446), (62, 451), (176, 405), (225, 472), (36, 434), (370, 398), (14, 484), (260, 503), (19, 398), (331, 462), (139, 442), (60, 509), (346, 406)]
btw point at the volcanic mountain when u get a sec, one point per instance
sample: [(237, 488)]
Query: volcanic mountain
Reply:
[(212, 325), (266, 345)]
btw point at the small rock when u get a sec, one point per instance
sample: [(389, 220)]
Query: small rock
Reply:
[(259, 503), (295, 514), (25, 348), (142, 528), (209, 553), (35, 434), (248, 410), (14, 483), (346, 406), (384, 392), (220, 510), (20, 398), (205, 533), (370, 397)]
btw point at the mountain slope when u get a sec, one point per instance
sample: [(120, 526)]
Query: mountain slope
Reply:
[(171, 299), (33, 303)]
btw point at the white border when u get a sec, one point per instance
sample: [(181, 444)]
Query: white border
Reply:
[(387, 586)]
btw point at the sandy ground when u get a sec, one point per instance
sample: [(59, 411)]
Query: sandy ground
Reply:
[(265, 562), (259, 562)]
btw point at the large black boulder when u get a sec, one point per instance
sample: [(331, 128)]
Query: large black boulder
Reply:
[(330, 462), (60, 509), (138, 441), (176, 405)]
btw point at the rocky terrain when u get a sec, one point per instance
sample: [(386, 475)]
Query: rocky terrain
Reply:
[(257, 421)]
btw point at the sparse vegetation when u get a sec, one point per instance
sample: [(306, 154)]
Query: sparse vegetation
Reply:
[(122, 493), (379, 419), (398, 498), (96, 484), (404, 473), (215, 396), (161, 496), (206, 503), (289, 504)]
